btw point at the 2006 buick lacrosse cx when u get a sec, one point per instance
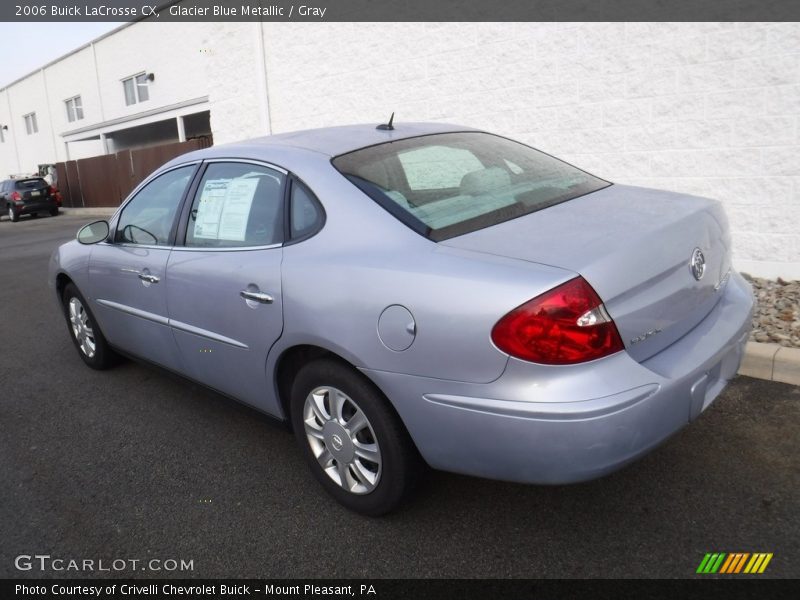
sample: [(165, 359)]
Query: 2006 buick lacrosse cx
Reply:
[(418, 293)]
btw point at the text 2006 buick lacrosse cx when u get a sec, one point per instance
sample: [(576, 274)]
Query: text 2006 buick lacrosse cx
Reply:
[(422, 293)]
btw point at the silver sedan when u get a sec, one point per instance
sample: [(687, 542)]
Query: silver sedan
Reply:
[(418, 293)]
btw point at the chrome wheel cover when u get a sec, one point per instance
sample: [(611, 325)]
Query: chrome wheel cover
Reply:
[(81, 327), (10, 213), (342, 439)]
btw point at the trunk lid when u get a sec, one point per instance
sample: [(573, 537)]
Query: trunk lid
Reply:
[(634, 246)]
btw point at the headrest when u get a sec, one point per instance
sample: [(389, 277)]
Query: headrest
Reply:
[(481, 181)]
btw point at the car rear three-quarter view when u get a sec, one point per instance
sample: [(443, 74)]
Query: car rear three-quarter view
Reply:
[(418, 293)]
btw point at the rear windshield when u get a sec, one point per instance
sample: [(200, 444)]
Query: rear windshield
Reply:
[(448, 184), (31, 184)]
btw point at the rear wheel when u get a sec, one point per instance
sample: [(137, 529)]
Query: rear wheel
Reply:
[(86, 335), (355, 444), (34, 215), (53, 211), (12, 214)]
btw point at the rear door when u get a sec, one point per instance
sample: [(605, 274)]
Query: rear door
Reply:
[(224, 283), (127, 275)]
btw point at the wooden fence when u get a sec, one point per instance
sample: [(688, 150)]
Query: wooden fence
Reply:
[(108, 179)]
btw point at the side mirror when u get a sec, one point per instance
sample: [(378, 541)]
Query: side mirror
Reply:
[(93, 232)]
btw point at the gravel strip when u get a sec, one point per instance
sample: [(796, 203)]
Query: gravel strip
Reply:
[(777, 316)]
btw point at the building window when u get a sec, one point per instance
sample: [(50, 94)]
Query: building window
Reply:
[(74, 109), (136, 89), (30, 123)]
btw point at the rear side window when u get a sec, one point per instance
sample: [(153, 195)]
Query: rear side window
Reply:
[(305, 217), (237, 205), (449, 184)]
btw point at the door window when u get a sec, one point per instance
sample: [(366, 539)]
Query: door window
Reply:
[(149, 216), (237, 205)]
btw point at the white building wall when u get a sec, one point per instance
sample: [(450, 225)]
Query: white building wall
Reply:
[(231, 57), (72, 76), (8, 154), (27, 96), (169, 50), (706, 108)]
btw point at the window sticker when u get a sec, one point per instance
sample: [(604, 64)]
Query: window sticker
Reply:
[(224, 209)]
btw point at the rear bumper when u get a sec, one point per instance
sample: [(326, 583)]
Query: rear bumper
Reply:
[(33, 207), (540, 424)]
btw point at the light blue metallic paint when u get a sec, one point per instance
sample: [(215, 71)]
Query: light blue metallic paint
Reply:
[(468, 406)]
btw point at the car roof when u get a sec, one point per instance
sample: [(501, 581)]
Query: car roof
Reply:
[(327, 141), (333, 141)]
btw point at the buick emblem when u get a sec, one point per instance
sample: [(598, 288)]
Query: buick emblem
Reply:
[(337, 442), (698, 264)]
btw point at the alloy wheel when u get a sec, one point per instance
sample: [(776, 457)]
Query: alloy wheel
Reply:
[(342, 439), (82, 327)]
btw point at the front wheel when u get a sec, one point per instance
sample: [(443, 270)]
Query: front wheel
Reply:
[(86, 335), (352, 439)]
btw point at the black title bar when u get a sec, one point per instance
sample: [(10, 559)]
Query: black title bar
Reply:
[(401, 10), (390, 589)]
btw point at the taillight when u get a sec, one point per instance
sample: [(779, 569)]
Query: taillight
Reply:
[(15, 196), (563, 326)]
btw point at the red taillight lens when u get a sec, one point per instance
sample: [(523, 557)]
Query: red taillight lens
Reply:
[(564, 326), (15, 196)]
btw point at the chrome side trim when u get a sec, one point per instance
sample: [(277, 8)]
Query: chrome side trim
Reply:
[(206, 334), (143, 314), (251, 161), (231, 249)]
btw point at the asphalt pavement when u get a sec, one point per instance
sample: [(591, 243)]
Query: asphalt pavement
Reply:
[(136, 464)]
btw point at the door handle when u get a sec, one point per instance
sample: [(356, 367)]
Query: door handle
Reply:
[(257, 297), (149, 278)]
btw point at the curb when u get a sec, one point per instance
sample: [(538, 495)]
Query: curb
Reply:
[(771, 362)]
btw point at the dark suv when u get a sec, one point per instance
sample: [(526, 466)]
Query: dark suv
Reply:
[(28, 197)]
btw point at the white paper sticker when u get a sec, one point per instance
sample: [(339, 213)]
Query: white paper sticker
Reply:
[(236, 212), (224, 209)]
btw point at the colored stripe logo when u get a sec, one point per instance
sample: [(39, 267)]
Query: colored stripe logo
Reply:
[(734, 562)]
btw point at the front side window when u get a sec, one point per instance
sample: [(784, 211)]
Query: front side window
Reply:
[(31, 126), (74, 109), (136, 89), (149, 216), (237, 205), (449, 184)]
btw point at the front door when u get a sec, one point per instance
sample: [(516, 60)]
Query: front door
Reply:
[(127, 275), (224, 282)]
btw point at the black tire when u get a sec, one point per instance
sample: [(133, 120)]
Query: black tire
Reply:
[(34, 215), (13, 215), (53, 211), (103, 356), (400, 461)]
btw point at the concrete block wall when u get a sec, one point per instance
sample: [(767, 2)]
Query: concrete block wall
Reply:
[(704, 108)]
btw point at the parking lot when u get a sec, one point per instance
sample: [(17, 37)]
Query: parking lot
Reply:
[(133, 463)]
